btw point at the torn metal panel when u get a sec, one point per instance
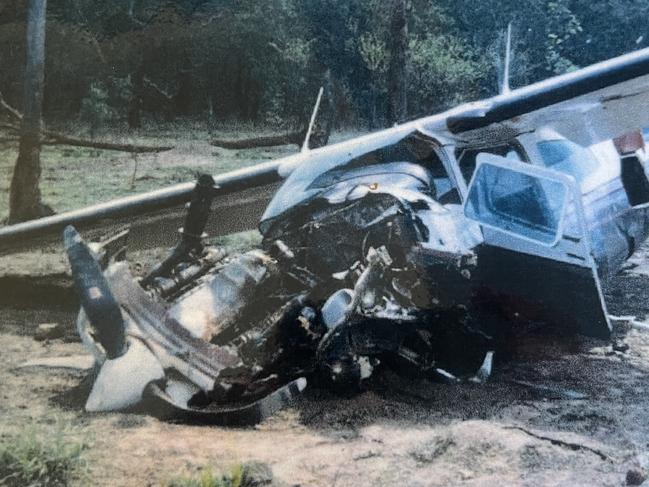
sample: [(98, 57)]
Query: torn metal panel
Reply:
[(371, 272)]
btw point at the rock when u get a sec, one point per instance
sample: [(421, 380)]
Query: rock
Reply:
[(636, 476), (49, 331), (620, 346)]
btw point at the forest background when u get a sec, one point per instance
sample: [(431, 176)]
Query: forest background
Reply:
[(262, 61)]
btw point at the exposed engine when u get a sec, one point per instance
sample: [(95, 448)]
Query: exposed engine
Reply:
[(360, 278)]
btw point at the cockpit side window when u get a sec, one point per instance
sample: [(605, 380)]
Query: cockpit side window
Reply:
[(468, 158)]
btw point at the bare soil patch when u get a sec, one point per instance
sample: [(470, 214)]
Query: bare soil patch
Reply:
[(401, 432)]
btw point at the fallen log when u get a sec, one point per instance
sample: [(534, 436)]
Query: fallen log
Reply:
[(54, 138), (269, 141), (318, 133), (318, 138), (49, 137)]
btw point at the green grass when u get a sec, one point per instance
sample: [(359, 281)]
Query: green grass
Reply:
[(37, 455), (239, 475), (239, 242), (74, 177)]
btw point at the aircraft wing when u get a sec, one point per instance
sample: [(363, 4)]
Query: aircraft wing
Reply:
[(596, 103), (155, 217), (589, 105)]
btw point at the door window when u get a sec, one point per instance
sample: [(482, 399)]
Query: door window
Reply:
[(526, 205)]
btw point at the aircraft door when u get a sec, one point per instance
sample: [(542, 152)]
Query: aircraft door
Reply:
[(536, 254)]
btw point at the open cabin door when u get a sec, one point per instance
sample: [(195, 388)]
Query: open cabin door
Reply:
[(536, 254)]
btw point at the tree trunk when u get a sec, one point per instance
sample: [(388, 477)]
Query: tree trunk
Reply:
[(131, 8), (374, 119), (135, 104), (25, 195), (398, 72), (182, 100)]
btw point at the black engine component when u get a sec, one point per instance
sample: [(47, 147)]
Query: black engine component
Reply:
[(192, 231)]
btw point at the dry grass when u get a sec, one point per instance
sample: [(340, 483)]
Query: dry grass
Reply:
[(74, 177), (239, 475)]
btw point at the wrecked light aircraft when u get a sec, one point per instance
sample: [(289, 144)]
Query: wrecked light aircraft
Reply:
[(419, 247)]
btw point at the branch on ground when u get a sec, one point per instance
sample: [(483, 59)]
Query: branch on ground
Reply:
[(53, 138), (558, 442)]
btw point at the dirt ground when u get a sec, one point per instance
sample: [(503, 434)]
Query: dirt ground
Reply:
[(562, 412)]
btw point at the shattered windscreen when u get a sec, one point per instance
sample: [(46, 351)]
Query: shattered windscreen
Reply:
[(308, 179)]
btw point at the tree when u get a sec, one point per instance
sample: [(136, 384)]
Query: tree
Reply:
[(398, 71), (562, 26), (261, 62), (24, 194), (375, 55)]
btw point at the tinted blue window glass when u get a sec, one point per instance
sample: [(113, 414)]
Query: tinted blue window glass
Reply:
[(518, 203), (567, 157)]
